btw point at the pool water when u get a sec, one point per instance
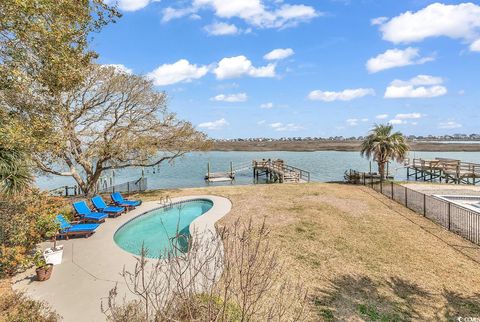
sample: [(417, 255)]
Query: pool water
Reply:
[(161, 231)]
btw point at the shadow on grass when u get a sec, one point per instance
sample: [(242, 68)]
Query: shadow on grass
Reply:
[(361, 298), (458, 305)]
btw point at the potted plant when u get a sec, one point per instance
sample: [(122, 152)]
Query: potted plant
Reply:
[(44, 270), (54, 254)]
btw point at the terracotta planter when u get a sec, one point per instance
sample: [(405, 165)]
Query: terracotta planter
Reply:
[(44, 272)]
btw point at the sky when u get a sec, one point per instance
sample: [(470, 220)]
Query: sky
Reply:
[(297, 68)]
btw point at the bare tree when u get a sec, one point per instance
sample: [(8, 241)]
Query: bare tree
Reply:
[(113, 120), (235, 275)]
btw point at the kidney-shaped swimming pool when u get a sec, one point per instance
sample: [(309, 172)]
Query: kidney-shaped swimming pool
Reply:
[(161, 231)]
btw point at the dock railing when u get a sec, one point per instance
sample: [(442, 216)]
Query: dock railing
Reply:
[(449, 169), (455, 218), (280, 167)]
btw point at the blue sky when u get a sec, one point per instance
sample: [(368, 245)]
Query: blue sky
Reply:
[(273, 68)]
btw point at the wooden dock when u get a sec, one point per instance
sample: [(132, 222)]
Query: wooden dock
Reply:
[(278, 171), (220, 176), (274, 170), (443, 170)]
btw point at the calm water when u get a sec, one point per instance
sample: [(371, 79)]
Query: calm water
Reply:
[(156, 229), (190, 170)]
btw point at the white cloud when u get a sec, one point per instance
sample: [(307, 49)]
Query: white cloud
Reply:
[(253, 12), (459, 21), (232, 98), (281, 127), (278, 54), (120, 68), (261, 122), (181, 71), (345, 95), (381, 116), (267, 105), (408, 116), (449, 125), (378, 21), (403, 119), (475, 46), (170, 13), (396, 122), (214, 125), (234, 67), (221, 29), (421, 86), (396, 58), (130, 5), (354, 122)]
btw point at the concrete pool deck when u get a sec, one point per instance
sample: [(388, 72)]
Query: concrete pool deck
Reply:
[(91, 266)]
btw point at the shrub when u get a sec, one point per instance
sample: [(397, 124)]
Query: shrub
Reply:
[(26, 219), (15, 307), (232, 276)]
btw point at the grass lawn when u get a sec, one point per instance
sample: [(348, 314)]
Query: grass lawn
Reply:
[(363, 256)]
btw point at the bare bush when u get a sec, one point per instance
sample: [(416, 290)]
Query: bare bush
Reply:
[(16, 307), (234, 275)]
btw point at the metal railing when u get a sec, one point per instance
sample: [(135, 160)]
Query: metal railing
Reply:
[(66, 191), (128, 187), (455, 218), (280, 167)]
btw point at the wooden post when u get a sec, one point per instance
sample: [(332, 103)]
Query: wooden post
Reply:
[(424, 205), (231, 169), (208, 170), (391, 185), (66, 191), (406, 197), (449, 215)]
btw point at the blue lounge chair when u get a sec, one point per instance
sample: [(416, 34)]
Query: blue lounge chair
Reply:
[(67, 229), (86, 214), (118, 199), (101, 206)]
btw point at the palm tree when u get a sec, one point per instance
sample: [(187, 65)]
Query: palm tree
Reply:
[(15, 174), (383, 146)]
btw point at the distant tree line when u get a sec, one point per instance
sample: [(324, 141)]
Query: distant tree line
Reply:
[(453, 137)]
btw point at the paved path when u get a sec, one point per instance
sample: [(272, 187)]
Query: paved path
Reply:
[(91, 266), (444, 188)]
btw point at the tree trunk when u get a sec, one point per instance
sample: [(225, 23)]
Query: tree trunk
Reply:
[(381, 169)]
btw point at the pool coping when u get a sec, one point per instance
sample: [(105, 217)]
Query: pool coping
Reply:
[(460, 197), (163, 206), (90, 267)]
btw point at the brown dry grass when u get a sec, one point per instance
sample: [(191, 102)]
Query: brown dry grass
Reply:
[(363, 256)]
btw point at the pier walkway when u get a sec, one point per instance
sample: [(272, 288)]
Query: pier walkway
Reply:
[(278, 171), (444, 170)]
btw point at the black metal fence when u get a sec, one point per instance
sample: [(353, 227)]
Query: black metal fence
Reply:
[(455, 218), (128, 187), (67, 191)]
